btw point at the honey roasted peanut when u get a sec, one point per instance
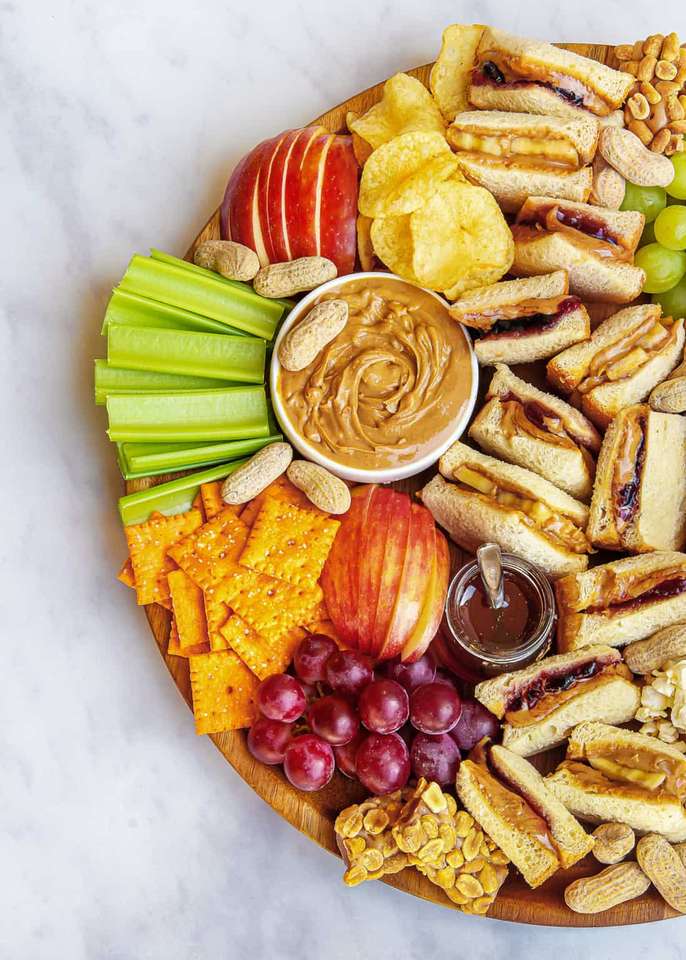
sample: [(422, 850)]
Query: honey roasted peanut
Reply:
[(663, 865), (616, 884), (659, 66), (263, 468), (613, 842), (293, 276), (364, 832)]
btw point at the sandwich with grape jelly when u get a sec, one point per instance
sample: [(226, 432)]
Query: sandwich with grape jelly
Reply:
[(639, 498), (539, 431), (621, 601), (594, 245), (541, 704), (517, 321)]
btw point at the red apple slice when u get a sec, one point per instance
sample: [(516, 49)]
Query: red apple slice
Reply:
[(269, 229), (274, 195), (395, 549), (338, 206), (434, 603), (302, 213), (417, 567), (339, 578), (237, 216), (371, 547), (291, 183)]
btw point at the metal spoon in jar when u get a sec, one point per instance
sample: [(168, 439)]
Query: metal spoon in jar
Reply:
[(489, 559)]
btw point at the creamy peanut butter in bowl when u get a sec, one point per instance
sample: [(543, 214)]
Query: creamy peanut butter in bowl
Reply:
[(389, 393)]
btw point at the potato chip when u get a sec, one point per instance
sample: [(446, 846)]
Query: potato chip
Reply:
[(210, 553), (393, 179), (280, 489), (217, 613), (406, 106), (224, 692), (289, 543), (458, 232), (262, 655), (451, 74), (392, 242), (361, 148), (365, 250), (125, 575), (148, 545), (189, 614), (272, 607)]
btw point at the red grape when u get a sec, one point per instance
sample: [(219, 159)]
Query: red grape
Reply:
[(345, 755), (411, 675), (443, 676), (280, 697), (334, 719), (384, 706), (309, 762), (475, 723), (268, 739), (348, 672), (383, 763), (311, 655), (435, 757), (435, 707)]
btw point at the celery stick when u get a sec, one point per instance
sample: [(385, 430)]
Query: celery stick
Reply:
[(234, 413), (181, 287), (110, 379), (176, 262), (212, 355), (173, 497), (148, 459), (138, 311)]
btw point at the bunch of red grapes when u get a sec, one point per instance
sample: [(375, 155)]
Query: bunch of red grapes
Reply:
[(411, 720)]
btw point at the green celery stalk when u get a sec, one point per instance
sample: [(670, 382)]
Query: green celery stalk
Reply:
[(234, 413), (181, 287), (139, 311), (170, 498), (110, 379), (148, 459), (187, 352), (187, 264)]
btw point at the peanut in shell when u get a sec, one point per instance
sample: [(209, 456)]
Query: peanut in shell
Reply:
[(644, 656), (663, 865), (303, 342), (613, 885), (263, 468)]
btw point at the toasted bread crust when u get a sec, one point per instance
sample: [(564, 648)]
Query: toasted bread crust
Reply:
[(582, 131), (537, 345), (511, 180), (506, 292)]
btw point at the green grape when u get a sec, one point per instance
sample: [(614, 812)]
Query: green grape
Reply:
[(673, 302), (677, 187), (648, 235), (670, 228), (664, 268), (647, 200)]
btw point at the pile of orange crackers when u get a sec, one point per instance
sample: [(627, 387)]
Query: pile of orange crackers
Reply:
[(242, 585)]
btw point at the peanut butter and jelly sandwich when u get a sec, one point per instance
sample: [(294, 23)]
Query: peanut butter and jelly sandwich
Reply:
[(639, 498), (541, 704), (621, 601), (518, 321), (539, 431), (594, 245)]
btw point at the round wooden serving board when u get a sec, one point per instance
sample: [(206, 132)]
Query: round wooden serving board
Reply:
[(314, 814)]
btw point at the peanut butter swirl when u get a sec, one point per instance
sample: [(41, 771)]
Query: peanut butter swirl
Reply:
[(390, 385)]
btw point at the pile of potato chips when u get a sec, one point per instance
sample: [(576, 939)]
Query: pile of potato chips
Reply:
[(418, 214), (242, 584)]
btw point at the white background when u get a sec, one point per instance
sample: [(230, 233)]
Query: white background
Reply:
[(122, 835)]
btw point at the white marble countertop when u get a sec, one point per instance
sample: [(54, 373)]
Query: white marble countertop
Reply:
[(122, 834)]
